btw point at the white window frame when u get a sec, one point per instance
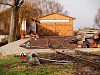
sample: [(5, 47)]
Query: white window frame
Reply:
[(45, 21)]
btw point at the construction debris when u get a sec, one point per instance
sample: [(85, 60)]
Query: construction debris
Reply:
[(54, 42)]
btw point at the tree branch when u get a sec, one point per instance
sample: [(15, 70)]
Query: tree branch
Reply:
[(6, 4)]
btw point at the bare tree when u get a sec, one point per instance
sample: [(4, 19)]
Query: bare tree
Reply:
[(15, 4), (52, 6), (29, 10), (18, 12), (55, 7), (97, 20)]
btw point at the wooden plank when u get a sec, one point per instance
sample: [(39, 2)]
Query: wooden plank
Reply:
[(43, 60)]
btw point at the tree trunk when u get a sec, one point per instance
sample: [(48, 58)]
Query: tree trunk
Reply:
[(17, 25), (14, 24)]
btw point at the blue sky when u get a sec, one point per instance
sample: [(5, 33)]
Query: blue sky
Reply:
[(83, 10)]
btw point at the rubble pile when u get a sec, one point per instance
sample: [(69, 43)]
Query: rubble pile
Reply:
[(50, 42)]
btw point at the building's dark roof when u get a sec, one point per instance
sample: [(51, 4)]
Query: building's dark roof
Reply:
[(4, 32)]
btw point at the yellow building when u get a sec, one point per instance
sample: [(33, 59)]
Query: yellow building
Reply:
[(55, 25)]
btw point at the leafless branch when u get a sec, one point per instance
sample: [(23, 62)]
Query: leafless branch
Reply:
[(6, 4), (97, 19)]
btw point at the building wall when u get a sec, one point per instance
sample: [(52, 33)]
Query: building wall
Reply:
[(5, 18), (56, 28), (4, 28)]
